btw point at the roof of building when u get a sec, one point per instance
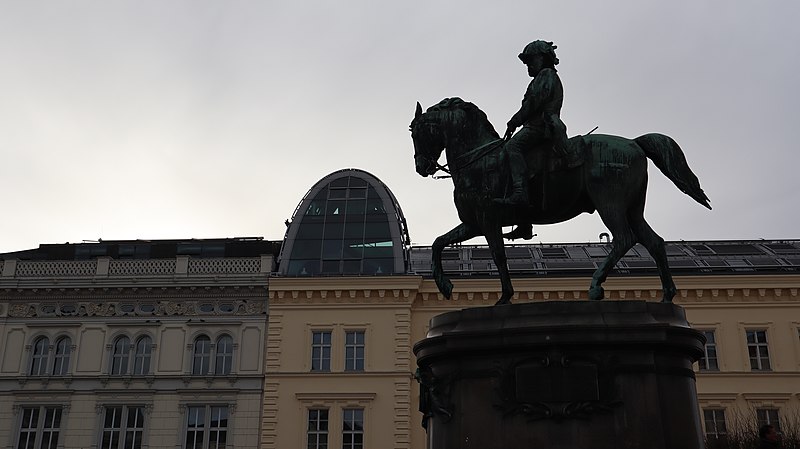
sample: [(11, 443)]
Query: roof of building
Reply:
[(555, 259), (150, 249), (565, 259), (349, 222)]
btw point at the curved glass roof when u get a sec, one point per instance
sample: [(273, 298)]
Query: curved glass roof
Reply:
[(348, 223)]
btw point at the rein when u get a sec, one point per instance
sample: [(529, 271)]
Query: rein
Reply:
[(487, 148), (481, 151)]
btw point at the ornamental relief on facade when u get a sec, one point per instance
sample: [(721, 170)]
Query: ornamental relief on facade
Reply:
[(139, 308)]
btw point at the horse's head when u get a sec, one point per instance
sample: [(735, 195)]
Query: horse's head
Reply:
[(429, 142), (454, 124)]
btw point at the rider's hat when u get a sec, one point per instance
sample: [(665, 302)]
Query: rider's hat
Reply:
[(546, 49)]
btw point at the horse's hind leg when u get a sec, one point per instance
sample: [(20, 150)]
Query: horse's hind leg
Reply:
[(456, 235), (655, 245), (624, 239)]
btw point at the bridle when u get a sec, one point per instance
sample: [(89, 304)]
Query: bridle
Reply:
[(471, 156)]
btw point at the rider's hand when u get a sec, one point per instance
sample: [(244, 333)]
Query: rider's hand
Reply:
[(509, 132)]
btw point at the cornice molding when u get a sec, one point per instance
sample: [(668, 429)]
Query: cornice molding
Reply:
[(343, 290), (695, 290), (218, 307)]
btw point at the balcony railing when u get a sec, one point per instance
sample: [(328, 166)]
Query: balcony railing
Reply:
[(107, 268)]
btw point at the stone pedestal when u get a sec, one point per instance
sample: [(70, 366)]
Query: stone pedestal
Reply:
[(561, 374)]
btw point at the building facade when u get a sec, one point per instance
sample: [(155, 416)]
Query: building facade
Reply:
[(196, 344), (750, 373), (134, 344)]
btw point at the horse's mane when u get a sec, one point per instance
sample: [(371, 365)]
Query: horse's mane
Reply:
[(462, 114)]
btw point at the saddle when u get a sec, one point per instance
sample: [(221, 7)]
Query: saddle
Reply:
[(546, 158)]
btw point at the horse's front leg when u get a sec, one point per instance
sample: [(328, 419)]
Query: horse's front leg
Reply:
[(494, 237), (456, 235)]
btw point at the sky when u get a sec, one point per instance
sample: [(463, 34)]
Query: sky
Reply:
[(204, 119)]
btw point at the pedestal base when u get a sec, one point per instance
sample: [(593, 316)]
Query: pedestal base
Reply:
[(561, 374)]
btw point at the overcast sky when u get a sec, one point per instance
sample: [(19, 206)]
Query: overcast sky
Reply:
[(172, 119)]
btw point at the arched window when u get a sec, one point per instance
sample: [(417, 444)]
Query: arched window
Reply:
[(41, 352), (119, 357), (61, 358), (201, 357), (141, 360), (224, 355), (348, 223)]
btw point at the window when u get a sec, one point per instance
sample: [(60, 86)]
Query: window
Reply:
[(41, 352), (119, 357), (141, 359), (127, 358), (354, 351), (224, 355), (206, 427), (709, 360), (768, 416), (61, 357), (715, 423), (201, 357), (317, 429), (353, 428), (39, 427), (758, 350), (123, 427), (321, 351), (345, 229)]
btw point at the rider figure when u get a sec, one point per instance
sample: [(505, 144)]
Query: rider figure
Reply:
[(541, 123)]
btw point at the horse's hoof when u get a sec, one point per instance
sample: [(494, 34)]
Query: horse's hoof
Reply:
[(596, 293), (668, 295), (446, 289), (503, 301)]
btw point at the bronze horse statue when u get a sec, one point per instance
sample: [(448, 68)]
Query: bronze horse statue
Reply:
[(611, 180)]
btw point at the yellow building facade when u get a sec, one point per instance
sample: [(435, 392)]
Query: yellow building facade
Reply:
[(395, 311)]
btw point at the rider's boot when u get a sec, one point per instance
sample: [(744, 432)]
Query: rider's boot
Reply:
[(519, 181), (522, 231)]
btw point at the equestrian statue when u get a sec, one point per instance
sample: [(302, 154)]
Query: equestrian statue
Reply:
[(539, 176)]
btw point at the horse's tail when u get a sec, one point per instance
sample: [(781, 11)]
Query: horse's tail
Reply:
[(669, 158)]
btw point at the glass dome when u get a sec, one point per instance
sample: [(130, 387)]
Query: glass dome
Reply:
[(349, 223)]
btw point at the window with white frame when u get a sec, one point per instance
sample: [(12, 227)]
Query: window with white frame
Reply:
[(201, 355), (353, 428), (63, 351), (321, 351), (142, 355), (206, 427), (223, 361), (709, 362), (714, 420), (354, 351), (317, 433), (216, 358), (40, 354), (39, 427), (123, 427), (758, 350), (768, 416), (120, 353)]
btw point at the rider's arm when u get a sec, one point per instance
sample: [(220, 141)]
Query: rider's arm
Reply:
[(539, 91)]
